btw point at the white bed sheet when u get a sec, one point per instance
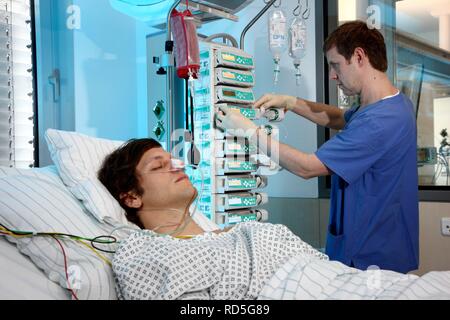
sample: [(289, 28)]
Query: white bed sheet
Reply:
[(20, 279), (299, 279)]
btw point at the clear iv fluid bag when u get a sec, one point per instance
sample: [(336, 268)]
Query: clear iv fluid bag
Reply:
[(187, 53), (297, 39), (278, 40), (297, 44)]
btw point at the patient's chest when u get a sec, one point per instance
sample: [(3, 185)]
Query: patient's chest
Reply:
[(237, 263)]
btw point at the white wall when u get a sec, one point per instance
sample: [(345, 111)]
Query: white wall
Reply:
[(294, 131), (434, 247), (105, 72), (141, 79)]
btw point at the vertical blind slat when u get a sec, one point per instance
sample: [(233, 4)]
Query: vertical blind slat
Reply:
[(16, 85)]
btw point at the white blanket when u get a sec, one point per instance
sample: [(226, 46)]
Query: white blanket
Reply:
[(253, 260), (302, 279)]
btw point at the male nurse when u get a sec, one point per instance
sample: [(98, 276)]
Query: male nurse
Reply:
[(374, 196)]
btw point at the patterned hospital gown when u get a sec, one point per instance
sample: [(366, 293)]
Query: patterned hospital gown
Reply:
[(231, 265)]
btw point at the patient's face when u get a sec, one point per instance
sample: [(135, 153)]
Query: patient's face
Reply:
[(162, 189)]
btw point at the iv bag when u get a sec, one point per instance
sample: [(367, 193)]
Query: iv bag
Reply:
[(297, 44), (297, 39), (186, 44), (278, 41)]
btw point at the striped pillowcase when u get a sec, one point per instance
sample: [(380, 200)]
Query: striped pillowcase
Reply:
[(20, 279), (37, 200), (78, 158)]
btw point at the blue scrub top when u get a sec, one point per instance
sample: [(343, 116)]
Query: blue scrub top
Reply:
[(374, 214)]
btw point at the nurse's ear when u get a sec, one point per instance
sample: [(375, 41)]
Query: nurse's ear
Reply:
[(360, 56), (131, 199)]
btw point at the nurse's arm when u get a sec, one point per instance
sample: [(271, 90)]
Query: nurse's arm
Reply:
[(305, 165), (321, 114)]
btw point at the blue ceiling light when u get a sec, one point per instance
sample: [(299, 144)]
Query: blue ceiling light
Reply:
[(154, 11)]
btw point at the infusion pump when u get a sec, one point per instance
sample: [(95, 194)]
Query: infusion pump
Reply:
[(234, 176)]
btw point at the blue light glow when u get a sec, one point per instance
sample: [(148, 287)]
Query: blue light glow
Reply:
[(154, 11)]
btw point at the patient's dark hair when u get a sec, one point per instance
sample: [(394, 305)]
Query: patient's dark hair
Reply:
[(118, 172)]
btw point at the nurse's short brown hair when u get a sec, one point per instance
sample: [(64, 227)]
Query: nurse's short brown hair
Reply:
[(356, 34)]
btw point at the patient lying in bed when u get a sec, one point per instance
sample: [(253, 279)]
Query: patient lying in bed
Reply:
[(231, 265), (172, 257)]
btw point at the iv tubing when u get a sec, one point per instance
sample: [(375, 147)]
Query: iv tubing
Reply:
[(251, 23)]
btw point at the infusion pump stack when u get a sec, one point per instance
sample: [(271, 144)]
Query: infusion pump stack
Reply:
[(234, 175)]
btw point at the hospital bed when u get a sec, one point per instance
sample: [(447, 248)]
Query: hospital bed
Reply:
[(63, 198), (21, 278), (33, 268), (36, 268)]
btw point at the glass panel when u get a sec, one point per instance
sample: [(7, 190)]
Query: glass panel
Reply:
[(423, 73), (420, 20), (420, 68)]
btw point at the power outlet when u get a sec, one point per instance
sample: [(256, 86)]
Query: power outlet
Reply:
[(445, 226)]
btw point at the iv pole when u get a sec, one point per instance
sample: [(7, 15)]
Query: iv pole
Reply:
[(254, 20), (170, 79), (170, 65)]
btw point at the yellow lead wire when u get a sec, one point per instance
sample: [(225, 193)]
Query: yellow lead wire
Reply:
[(8, 233), (95, 251)]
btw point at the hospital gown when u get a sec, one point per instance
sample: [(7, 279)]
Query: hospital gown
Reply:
[(231, 265)]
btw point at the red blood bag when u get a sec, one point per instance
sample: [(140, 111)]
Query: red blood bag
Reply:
[(186, 44)]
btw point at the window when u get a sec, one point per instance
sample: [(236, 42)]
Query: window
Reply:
[(423, 69), (16, 85), (417, 35)]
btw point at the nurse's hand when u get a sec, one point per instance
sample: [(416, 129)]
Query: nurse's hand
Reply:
[(227, 119), (276, 101)]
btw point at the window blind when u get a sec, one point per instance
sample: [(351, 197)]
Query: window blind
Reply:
[(16, 85)]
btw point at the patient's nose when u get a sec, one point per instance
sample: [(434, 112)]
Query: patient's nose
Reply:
[(177, 164), (333, 74)]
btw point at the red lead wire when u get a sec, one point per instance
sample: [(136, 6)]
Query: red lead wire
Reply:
[(65, 269)]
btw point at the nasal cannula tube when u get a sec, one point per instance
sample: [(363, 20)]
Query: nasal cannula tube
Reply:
[(178, 165)]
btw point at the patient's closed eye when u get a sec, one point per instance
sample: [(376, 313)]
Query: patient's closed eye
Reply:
[(158, 165)]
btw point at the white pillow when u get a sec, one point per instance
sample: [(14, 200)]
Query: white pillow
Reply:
[(37, 200), (78, 158), (20, 279)]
